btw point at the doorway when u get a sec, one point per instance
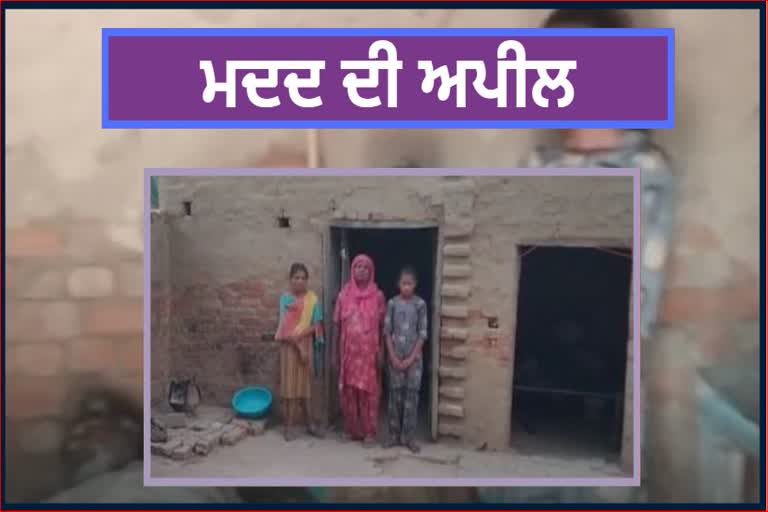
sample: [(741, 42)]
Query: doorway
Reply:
[(571, 350), (391, 247)]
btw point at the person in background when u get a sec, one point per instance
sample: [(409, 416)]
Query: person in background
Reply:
[(358, 318), (301, 325), (612, 148), (617, 148), (405, 330)]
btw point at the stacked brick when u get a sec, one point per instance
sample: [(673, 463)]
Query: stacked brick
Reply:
[(198, 438), (456, 278)]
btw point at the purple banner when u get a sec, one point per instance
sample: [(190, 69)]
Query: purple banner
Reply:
[(388, 78)]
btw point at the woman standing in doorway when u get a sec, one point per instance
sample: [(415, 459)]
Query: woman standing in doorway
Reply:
[(358, 317), (301, 325)]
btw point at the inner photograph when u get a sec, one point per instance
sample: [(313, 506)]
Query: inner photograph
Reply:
[(384, 326)]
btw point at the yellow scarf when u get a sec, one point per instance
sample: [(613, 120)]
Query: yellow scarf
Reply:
[(305, 321)]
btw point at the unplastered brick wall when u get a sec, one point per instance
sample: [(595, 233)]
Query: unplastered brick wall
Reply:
[(710, 311), (74, 310), (230, 263), (161, 363)]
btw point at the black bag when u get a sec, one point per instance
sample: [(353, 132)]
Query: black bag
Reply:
[(184, 395)]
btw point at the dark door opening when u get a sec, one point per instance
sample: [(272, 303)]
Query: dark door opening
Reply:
[(571, 350), (392, 249)]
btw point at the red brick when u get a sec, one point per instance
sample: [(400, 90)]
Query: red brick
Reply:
[(33, 242), (670, 385), (130, 354), (34, 397), (743, 273), (35, 320), (131, 278), (699, 237), (113, 317), (206, 442), (234, 435), (249, 322), (248, 288), (39, 359), (184, 451), (37, 282), (283, 158), (167, 448), (92, 354), (133, 385), (713, 342), (697, 304), (716, 340)]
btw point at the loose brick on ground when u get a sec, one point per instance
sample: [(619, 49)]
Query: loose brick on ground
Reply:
[(208, 440), (167, 448), (234, 435), (253, 427), (184, 451)]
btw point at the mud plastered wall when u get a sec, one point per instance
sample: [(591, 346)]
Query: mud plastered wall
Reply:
[(65, 175)]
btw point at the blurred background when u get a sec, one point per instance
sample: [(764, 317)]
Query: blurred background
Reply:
[(74, 218)]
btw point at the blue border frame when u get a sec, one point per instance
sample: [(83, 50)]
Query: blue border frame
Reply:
[(107, 123)]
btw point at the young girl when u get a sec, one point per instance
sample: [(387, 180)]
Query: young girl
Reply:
[(301, 325), (405, 330)]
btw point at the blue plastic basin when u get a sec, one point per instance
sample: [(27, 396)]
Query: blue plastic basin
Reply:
[(252, 402)]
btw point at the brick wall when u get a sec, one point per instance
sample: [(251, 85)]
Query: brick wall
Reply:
[(74, 309), (217, 328), (230, 262), (223, 334), (710, 309), (160, 349)]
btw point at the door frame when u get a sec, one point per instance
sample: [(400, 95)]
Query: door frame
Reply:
[(627, 448), (343, 227)]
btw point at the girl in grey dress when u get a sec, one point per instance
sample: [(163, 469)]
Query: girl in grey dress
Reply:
[(405, 330)]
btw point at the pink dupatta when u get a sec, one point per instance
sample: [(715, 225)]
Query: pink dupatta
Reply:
[(359, 311)]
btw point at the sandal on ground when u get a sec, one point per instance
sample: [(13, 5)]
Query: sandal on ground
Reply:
[(289, 436), (411, 445), (369, 442), (390, 442), (315, 432)]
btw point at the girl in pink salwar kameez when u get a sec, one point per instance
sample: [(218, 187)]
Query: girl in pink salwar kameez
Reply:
[(358, 317)]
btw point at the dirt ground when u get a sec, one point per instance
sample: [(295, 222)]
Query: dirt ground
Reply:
[(270, 456)]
